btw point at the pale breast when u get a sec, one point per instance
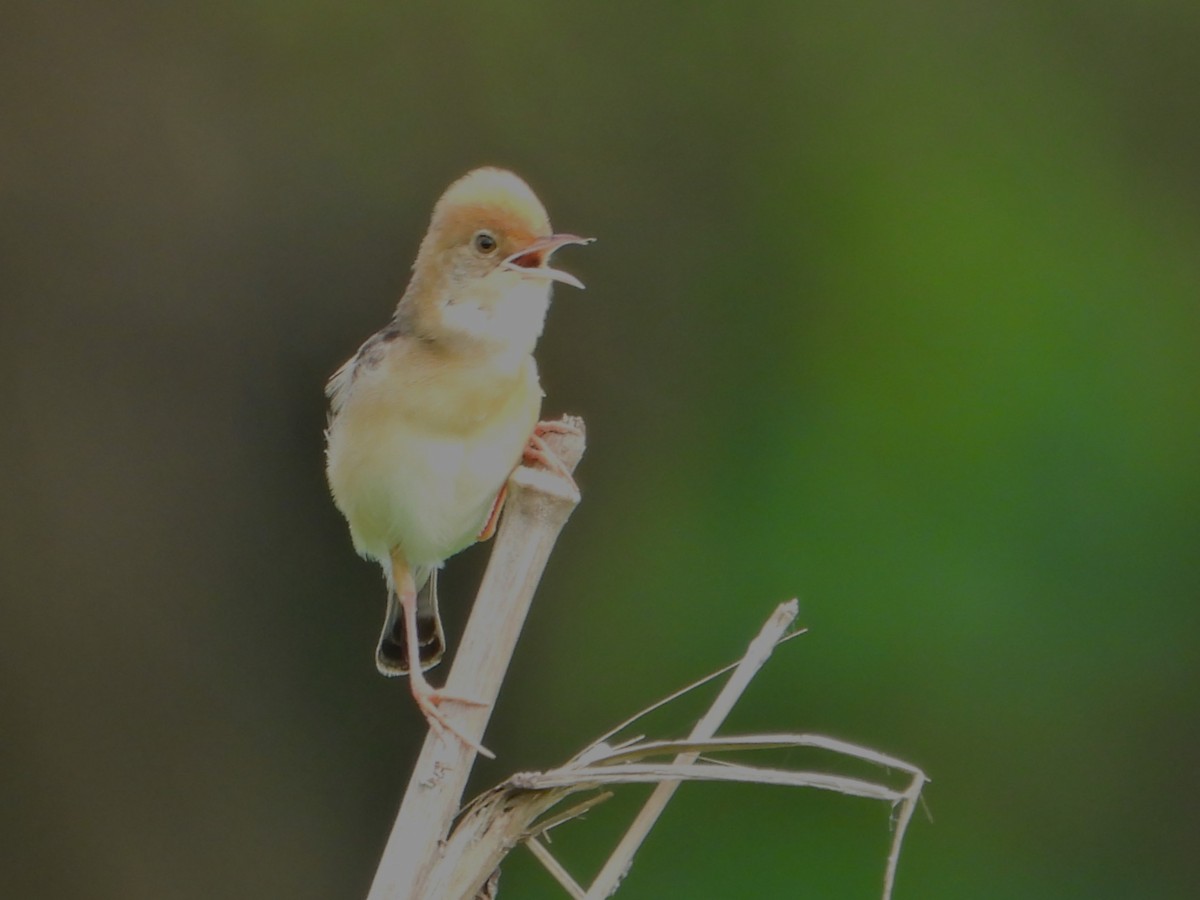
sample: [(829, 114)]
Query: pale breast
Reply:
[(416, 461)]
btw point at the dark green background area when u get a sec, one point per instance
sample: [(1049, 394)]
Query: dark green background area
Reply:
[(894, 309)]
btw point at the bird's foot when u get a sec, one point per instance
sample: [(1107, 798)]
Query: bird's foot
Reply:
[(538, 451), (430, 700), (555, 426)]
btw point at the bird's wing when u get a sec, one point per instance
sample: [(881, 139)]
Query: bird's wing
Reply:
[(337, 389), (338, 385)]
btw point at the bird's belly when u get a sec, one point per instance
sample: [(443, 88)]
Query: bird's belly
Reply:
[(422, 490)]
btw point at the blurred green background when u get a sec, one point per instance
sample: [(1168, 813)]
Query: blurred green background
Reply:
[(894, 309)]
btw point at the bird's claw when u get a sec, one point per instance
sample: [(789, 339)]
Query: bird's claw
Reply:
[(538, 451), (429, 700), (556, 426)]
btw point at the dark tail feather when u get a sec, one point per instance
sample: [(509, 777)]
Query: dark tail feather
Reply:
[(392, 656)]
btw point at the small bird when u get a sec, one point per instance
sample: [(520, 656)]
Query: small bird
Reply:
[(431, 416)]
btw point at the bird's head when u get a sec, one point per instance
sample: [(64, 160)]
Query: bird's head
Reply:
[(482, 274)]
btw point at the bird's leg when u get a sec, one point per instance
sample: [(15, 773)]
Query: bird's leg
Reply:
[(429, 699), (537, 450), (493, 519)]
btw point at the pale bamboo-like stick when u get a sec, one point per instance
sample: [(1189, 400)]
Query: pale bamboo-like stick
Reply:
[(538, 505), (519, 810), (554, 867), (757, 653)]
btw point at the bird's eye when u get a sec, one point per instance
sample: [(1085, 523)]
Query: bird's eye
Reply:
[(485, 242)]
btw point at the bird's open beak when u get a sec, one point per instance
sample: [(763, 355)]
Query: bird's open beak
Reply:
[(533, 258)]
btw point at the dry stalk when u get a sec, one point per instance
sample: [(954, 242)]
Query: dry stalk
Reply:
[(423, 860), (539, 503), (519, 810)]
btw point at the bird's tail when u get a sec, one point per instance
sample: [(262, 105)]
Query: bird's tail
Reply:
[(392, 656)]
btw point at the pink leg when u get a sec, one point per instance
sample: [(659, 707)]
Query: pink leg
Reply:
[(429, 699), (493, 519), (539, 452), (535, 451)]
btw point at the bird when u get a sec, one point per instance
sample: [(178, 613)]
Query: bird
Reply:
[(432, 414)]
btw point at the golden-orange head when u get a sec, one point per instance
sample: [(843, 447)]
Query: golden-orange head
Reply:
[(483, 265)]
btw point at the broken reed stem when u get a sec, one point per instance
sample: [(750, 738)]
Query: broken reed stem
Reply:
[(903, 817), (756, 654), (538, 506), (554, 867), (520, 809)]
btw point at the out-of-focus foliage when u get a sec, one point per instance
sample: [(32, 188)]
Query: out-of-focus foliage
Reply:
[(894, 309)]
